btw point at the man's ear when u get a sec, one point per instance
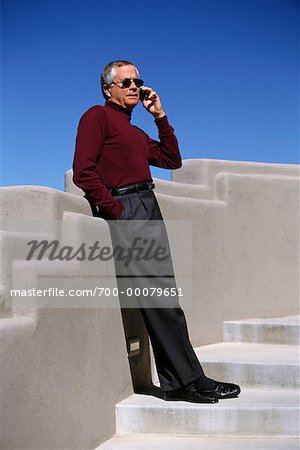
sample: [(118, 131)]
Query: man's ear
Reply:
[(106, 89)]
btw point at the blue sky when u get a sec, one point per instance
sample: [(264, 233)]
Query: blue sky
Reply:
[(226, 70)]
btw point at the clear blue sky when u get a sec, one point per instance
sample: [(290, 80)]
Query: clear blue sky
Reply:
[(226, 71)]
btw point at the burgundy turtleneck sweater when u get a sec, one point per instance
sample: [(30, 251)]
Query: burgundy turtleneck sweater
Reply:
[(111, 153)]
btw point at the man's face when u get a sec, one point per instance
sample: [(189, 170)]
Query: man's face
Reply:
[(126, 97)]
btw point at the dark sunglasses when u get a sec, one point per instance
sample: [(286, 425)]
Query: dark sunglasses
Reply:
[(127, 82)]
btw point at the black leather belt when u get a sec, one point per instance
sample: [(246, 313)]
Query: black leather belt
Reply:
[(131, 188)]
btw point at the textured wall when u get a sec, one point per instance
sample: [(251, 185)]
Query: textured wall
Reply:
[(63, 369)]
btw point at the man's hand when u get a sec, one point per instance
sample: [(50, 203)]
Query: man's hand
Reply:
[(152, 103)]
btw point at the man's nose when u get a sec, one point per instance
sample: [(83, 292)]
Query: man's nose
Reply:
[(132, 86)]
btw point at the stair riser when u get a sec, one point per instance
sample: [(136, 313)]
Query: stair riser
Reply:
[(203, 420), (255, 375), (265, 334), (153, 442)]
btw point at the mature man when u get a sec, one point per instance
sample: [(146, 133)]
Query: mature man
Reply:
[(111, 165)]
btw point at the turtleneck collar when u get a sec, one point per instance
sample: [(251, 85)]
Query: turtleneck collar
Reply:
[(119, 108)]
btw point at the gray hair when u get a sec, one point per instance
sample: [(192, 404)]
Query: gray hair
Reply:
[(109, 72)]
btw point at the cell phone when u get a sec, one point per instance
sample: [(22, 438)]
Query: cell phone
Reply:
[(144, 94)]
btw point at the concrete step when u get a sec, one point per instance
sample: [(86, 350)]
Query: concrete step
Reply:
[(279, 330), (251, 364), (257, 412), (156, 442)]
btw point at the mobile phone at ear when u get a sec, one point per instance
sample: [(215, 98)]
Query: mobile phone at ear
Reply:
[(144, 94)]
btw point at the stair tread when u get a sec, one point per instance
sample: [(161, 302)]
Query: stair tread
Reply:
[(163, 442), (249, 398), (251, 353)]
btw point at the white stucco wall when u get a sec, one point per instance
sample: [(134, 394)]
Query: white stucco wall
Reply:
[(62, 369)]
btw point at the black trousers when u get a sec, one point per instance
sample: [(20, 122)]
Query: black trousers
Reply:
[(142, 223)]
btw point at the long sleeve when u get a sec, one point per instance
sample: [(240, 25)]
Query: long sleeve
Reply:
[(165, 152), (89, 145)]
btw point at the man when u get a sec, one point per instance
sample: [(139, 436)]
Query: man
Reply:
[(111, 165)]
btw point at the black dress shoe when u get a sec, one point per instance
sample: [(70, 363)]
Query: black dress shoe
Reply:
[(222, 390), (190, 394)]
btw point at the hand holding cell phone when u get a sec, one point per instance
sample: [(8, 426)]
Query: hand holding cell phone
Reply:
[(151, 101)]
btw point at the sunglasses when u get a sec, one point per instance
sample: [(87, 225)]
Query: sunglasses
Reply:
[(127, 82)]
